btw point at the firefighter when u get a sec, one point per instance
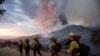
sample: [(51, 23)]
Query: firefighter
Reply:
[(36, 46), (73, 49), (27, 47), (20, 47), (52, 46)]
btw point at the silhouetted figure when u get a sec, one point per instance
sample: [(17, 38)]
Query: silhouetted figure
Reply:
[(27, 47), (36, 46), (52, 46), (20, 47)]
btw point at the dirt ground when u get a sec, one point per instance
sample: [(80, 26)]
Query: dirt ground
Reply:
[(13, 52)]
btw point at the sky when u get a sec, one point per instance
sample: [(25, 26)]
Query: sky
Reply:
[(30, 17)]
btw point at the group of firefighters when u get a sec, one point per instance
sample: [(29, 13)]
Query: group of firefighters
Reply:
[(36, 46)]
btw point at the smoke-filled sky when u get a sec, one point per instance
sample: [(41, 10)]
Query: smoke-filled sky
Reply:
[(29, 17)]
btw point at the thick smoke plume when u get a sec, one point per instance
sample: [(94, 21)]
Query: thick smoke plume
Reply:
[(81, 12), (49, 13)]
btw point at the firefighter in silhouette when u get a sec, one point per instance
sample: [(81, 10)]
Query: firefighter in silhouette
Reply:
[(52, 46), (73, 49), (36, 46), (20, 47), (27, 47)]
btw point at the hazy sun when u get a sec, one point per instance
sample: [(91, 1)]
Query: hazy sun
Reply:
[(7, 32)]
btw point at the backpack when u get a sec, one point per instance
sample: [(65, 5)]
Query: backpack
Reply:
[(37, 46), (26, 46), (20, 45), (58, 47), (83, 49)]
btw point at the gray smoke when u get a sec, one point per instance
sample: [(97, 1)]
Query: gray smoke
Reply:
[(86, 10), (50, 12)]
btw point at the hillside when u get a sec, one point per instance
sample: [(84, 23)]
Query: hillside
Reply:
[(86, 37), (61, 35)]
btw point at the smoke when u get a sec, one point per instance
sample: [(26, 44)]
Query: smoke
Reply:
[(45, 13), (48, 12), (84, 12), (45, 10), (81, 12)]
